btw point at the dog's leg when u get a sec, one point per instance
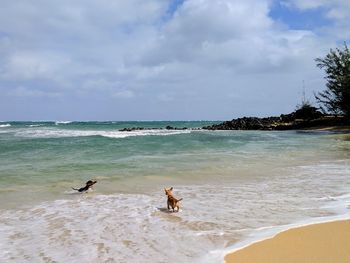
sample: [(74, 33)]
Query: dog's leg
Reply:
[(168, 205)]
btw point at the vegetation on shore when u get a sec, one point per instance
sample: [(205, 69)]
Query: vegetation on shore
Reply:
[(336, 98)]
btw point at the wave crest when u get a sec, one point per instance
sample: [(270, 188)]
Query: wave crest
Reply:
[(58, 133), (62, 122)]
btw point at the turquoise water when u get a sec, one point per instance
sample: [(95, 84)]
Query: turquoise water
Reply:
[(234, 183)]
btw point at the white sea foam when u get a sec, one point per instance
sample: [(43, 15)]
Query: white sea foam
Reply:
[(62, 122), (5, 125), (119, 228), (57, 133), (137, 227), (35, 125)]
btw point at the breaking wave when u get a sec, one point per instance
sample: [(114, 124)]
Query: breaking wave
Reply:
[(58, 133), (62, 122)]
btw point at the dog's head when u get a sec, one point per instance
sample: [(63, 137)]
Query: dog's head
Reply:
[(168, 191), (90, 183)]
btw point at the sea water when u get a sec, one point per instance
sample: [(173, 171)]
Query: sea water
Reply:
[(237, 187)]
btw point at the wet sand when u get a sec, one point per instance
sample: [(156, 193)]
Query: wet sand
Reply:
[(345, 129), (318, 243)]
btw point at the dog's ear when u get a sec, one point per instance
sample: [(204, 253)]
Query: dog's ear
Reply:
[(171, 189)]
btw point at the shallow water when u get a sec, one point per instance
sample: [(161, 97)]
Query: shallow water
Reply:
[(234, 184)]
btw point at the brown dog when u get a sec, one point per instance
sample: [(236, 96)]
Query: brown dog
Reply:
[(172, 201)]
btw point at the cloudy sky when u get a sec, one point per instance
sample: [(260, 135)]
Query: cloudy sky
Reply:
[(163, 59)]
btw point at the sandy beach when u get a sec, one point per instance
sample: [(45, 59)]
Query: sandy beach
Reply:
[(345, 129), (318, 243)]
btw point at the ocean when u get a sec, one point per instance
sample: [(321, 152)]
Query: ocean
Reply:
[(237, 187)]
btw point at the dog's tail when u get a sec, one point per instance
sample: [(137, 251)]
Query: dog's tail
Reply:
[(179, 200)]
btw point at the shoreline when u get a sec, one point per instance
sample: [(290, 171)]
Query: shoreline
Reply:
[(322, 242), (336, 128)]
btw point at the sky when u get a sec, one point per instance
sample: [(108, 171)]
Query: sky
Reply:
[(163, 59)]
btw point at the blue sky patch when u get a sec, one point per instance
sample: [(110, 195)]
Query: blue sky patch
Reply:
[(174, 5), (300, 19), (172, 8)]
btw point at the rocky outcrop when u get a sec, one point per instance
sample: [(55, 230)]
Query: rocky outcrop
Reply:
[(299, 119), (247, 123), (303, 118)]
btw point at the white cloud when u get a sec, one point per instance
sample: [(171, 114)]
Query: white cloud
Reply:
[(199, 23), (133, 49), (124, 94), (336, 9), (30, 65), (30, 92)]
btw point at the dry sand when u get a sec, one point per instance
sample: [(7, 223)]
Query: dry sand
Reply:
[(319, 243)]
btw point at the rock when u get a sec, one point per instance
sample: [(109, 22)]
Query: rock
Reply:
[(295, 120), (132, 129)]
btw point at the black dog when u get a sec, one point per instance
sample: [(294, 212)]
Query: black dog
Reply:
[(88, 185)]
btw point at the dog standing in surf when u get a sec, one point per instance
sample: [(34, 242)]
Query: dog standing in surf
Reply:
[(172, 201)]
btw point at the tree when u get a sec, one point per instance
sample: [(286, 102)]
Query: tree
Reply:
[(336, 98), (306, 111)]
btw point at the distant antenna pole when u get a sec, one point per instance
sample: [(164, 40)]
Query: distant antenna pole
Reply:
[(303, 98)]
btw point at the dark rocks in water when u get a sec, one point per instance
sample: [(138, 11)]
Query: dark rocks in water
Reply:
[(132, 129), (247, 123), (299, 119), (142, 128), (175, 128)]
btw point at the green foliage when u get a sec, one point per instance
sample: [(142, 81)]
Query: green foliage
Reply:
[(305, 104), (306, 111), (336, 98)]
